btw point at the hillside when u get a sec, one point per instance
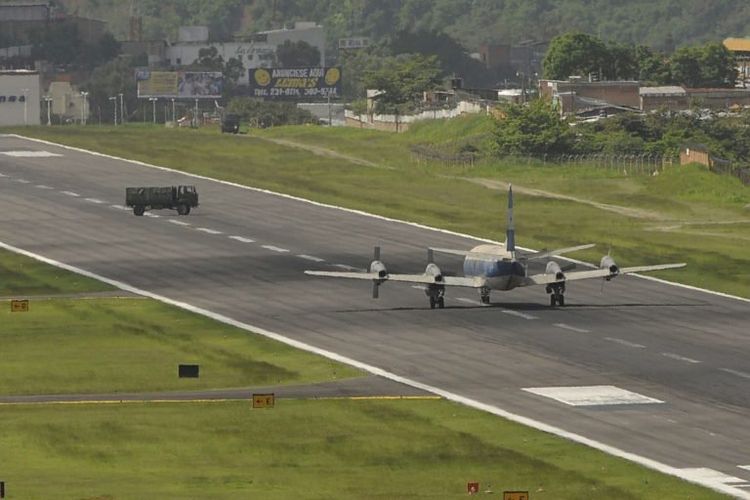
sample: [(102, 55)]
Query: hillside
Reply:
[(659, 23)]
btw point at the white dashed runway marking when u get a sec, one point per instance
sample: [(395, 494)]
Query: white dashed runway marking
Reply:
[(241, 239), (120, 207), (275, 249), (208, 230), (571, 328), (153, 216), (30, 154), (625, 343), (179, 222), (311, 258), (346, 267), (3, 175), (43, 186), (736, 372), (95, 200), (679, 358), (595, 395), (23, 181), (519, 314), (71, 193)]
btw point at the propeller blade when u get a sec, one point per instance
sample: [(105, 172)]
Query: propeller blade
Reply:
[(375, 290), (376, 253)]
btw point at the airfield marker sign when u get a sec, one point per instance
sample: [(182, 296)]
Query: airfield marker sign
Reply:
[(19, 306), (472, 488), (515, 495), (264, 400)]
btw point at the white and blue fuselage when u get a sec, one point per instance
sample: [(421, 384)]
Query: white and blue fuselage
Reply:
[(496, 266)]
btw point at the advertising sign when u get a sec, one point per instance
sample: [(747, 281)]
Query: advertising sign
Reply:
[(263, 400), (179, 84), (19, 305), (296, 83)]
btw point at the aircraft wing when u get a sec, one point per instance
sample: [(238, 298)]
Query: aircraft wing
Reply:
[(559, 251), (546, 279), (425, 279)]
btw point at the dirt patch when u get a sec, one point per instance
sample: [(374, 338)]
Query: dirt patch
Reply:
[(321, 151)]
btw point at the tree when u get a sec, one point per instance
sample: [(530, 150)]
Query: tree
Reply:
[(653, 67), (263, 114), (575, 54), (685, 67), (108, 80), (718, 66), (533, 129), (402, 80), (297, 54)]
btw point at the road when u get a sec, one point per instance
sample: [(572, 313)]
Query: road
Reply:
[(683, 354)]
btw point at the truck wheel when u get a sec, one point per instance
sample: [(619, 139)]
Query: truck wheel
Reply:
[(187, 209), (139, 210), (182, 209)]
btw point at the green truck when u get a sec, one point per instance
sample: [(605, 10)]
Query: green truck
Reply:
[(180, 198)]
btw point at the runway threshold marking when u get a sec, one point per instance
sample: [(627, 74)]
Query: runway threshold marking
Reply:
[(71, 193), (311, 258), (275, 249), (241, 239), (519, 314), (626, 343), (593, 395), (736, 372), (680, 358), (571, 328), (178, 222)]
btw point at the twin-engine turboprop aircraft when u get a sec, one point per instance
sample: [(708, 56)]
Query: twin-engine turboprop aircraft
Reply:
[(494, 267)]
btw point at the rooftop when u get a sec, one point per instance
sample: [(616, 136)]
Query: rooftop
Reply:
[(737, 44), (669, 90)]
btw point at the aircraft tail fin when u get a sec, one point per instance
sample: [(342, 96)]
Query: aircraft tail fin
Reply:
[(510, 235)]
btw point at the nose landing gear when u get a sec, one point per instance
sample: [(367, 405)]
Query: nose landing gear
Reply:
[(557, 294), (436, 293)]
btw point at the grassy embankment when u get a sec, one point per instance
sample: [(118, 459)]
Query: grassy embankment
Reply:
[(676, 216), (300, 449)]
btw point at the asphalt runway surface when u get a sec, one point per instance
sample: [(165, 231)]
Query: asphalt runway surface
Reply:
[(683, 355)]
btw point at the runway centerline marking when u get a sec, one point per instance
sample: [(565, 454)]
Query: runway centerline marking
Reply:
[(625, 342), (23, 181), (736, 372), (311, 258), (346, 267), (153, 216), (30, 154), (593, 395), (3, 175), (94, 200), (467, 301), (519, 314), (120, 207), (178, 222), (680, 358), (43, 186), (571, 328), (275, 249), (71, 193), (241, 239), (208, 230)]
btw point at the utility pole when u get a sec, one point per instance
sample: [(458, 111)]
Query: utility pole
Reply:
[(122, 110), (114, 100), (153, 108), (84, 105), (174, 118), (25, 106), (48, 100)]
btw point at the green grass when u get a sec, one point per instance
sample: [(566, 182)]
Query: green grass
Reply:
[(303, 449), (20, 275), (431, 194), (124, 345)]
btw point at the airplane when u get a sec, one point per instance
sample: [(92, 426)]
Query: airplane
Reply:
[(494, 267)]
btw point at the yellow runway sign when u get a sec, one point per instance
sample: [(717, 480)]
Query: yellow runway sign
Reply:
[(263, 400), (19, 306)]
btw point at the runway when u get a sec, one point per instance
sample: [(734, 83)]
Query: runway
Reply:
[(682, 355)]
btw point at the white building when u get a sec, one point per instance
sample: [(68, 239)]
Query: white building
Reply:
[(19, 97), (67, 101), (258, 51)]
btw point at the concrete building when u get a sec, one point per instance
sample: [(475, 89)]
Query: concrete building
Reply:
[(720, 98), (19, 97), (671, 97), (740, 47), (18, 19), (255, 51), (571, 94), (67, 101)]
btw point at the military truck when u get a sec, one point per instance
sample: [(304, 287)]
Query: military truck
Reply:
[(180, 198)]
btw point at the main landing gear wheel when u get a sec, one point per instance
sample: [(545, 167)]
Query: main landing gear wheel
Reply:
[(438, 302), (557, 299)]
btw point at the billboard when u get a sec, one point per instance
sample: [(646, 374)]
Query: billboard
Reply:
[(296, 83), (180, 84)]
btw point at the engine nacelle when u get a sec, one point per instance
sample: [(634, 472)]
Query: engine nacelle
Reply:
[(610, 264), (554, 268), (433, 270), (378, 267)]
